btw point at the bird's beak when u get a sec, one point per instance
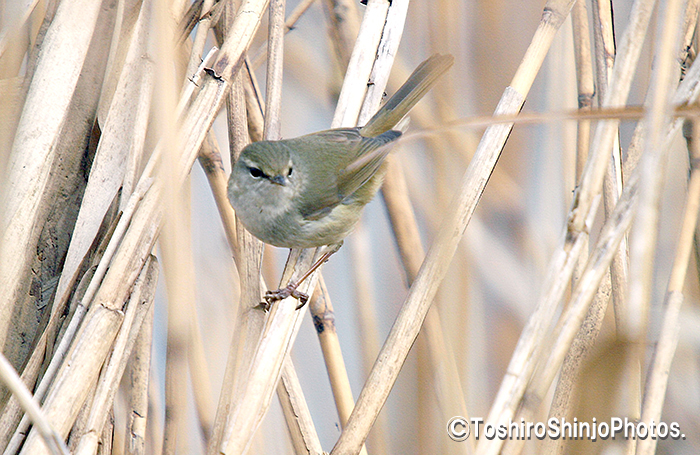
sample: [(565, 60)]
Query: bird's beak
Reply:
[(279, 180)]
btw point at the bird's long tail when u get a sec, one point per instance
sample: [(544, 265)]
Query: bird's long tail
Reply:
[(415, 87)]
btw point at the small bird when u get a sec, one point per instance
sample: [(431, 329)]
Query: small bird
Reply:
[(309, 191)]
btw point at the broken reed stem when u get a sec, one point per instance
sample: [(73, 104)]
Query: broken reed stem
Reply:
[(203, 25), (384, 61)]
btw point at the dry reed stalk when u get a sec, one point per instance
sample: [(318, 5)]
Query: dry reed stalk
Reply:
[(175, 238), (561, 402), (584, 79), (296, 412), (272, 130), (360, 65), (611, 235), (365, 302), (384, 60), (293, 402), (248, 251), (586, 289), (59, 199), (321, 310), (12, 420), (54, 443), (203, 25), (603, 34), (254, 105), (141, 233), (642, 243), (98, 198), (48, 100), (289, 24), (82, 308), (581, 347), (137, 390), (281, 327), (94, 339), (69, 387), (139, 305), (121, 141), (434, 267), (653, 166), (585, 202), (405, 229), (657, 379)]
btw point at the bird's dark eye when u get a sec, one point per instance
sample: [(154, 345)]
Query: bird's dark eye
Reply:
[(255, 172)]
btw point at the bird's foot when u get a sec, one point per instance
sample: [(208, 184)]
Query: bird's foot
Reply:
[(280, 294)]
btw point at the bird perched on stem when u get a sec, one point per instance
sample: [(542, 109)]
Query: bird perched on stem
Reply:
[(309, 191)]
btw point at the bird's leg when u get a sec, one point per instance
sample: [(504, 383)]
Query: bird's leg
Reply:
[(291, 289)]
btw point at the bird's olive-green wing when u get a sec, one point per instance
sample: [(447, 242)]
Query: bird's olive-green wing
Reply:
[(349, 161), (373, 151)]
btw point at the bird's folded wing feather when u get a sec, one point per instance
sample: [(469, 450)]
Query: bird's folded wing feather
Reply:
[(356, 160)]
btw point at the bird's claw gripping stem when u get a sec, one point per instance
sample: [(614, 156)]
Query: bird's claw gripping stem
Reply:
[(280, 294)]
